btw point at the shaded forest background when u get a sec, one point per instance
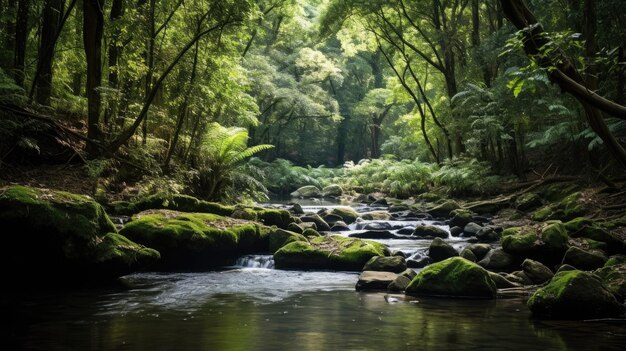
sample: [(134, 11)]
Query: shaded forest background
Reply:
[(179, 95)]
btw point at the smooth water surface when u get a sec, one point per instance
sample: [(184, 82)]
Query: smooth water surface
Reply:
[(264, 309)]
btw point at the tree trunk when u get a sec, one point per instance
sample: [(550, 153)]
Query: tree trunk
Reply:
[(183, 110), (10, 14), (51, 25), (21, 35), (93, 17), (150, 64), (621, 59), (115, 51), (565, 74)]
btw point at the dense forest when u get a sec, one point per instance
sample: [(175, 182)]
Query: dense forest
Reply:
[(313, 174), (184, 93)]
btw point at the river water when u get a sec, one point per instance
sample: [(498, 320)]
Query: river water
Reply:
[(255, 308)]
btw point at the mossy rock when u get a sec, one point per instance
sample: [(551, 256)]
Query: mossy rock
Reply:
[(461, 217), (585, 260), (320, 224), (347, 214), (279, 238), (527, 201), (182, 203), (278, 217), (52, 223), (615, 260), (195, 241), (429, 231), (454, 277), (376, 216), (574, 295), (395, 264), (555, 238), (332, 190), (307, 191), (440, 250), (614, 278), (536, 271), (310, 232), (577, 224), (543, 213), (57, 235), (520, 241), (444, 209), (555, 192), (594, 232), (567, 209), (121, 208), (117, 255), (332, 252)]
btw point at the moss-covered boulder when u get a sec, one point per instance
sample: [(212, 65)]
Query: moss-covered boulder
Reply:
[(376, 216), (195, 241), (429, 232), (574, 295), (115, 255), (536, 271), (520, 241), (307, 191), (614, 244), (444, 209), (615, 260), (614, 278), (440, 250), (395, 264), (497, 259), (577, 224), (461, 217), (320, 224), (178, 202), (555, 238), (585, 260), (527, 202), (328, 252), (279, 238), (568, 208), (347, 214), (51, 232), (333, 190), (278, 217), (454, 277)]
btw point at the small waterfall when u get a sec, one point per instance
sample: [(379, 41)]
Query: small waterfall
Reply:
[(255, 261)]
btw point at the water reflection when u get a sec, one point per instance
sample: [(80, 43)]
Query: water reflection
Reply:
[(270, 310)]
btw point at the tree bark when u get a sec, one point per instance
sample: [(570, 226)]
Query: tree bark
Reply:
[(114, 51), (93, 17), (51, 25), (563, 72), (21, 35)]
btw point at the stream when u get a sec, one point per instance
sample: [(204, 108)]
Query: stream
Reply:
[(251, 306)]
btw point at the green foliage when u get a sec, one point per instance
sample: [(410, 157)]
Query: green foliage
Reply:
[(221, 173), (466, 177)]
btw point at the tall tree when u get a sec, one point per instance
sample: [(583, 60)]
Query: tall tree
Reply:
[(21, 35), (52, 22), (93, 17)]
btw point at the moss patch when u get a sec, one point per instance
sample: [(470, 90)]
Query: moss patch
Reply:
[(195, 240), (455, 277), (328, 252), (574, 295)]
